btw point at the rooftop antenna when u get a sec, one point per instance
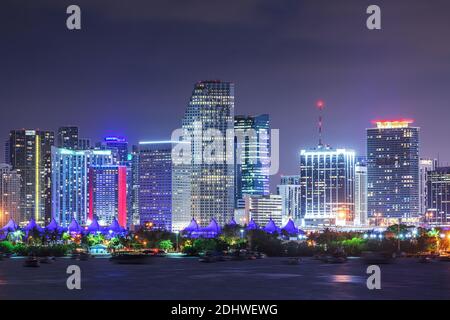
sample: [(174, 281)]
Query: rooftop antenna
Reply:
[(320, 105)]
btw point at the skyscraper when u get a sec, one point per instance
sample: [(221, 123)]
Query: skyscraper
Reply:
[(360, 194), (327, 186), (107, 189), (393, 170), (119, 146), (70, 196), (425, 166), (208, 125), (155, 184), (252, 148), (289, 190), (438, 187), (67, 138), (30, 156), (9, 194)]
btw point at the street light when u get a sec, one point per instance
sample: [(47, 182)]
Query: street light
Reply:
[(242, 233), (177, 233)]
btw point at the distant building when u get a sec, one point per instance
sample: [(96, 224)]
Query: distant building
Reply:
[(9, 194), (290, 191), (119, 146), (84, 144), (30, 157), (133, 188), (327, 178), (261, 209), (107, 189), (425, 166), (155, 184), (70, 197), (361, 217), (252, 152), (438, 187), (67, 138), (393, 170)]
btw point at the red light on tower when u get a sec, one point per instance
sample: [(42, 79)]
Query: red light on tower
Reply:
[(320, 104)]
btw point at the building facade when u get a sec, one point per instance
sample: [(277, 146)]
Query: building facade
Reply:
[(107, 188), (252, 155), (208, 127), (438, 187), (425, 166), (155, 184), (30, 156), (393, 170), (70, 168), (67, 138), (361, 217), (289, 190), (119, 147), (10, 183), (327, 186), (261, 209)]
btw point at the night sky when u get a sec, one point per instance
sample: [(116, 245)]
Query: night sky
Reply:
[(131, 69)]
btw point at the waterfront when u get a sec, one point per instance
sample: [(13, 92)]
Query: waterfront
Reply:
[(186, 278)]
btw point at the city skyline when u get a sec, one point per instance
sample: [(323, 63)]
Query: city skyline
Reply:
[(357, 78)]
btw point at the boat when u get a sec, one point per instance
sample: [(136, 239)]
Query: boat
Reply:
[(130, 258), (31, 262), (294, 260), (444, 258), (45, 260)]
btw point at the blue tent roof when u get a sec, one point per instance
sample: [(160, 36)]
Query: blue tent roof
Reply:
[(271, 227), (212, 227), (74, 226), (252, 225), (115, 227), (94, 226), (193, 226), (290, 228), (53, 226), (32, 225), (11, 226), (232, 222)]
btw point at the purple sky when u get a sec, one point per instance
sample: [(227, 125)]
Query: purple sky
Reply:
[(131, 69)]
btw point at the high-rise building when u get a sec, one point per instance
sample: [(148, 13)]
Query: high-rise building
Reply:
[(133, 188), (393, 170), (208, 125), (360, 194), (84, 144), (327, 186), (252, 151), (261, 209), (425, 166), (70, 197), (119, 146), (155, 184), (289, 190), (9, 194), (438, 187), (30, 156), (68, 138), (7, 152), (107, 189)]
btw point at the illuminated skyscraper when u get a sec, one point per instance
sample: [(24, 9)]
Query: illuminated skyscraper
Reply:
[(252, 148), (361, 194), (393, 170), (208, 125), (70, 196), (119, 147), (327, 179), (438, 187), (30, 156), (425, 166), (261, 209), (67, 138), (289, 190), (9, 194), (155, 184), (107, 187)]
